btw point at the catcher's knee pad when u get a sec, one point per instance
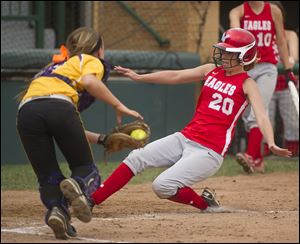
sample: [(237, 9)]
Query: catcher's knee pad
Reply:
[(88, 178), (164, 188), (50, 192)]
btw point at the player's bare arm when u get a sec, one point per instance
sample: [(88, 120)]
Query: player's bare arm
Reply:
[(293, 45), (251, 90), (280, 36), (97, 89), (169, 77), (235, 16), (92, 136)]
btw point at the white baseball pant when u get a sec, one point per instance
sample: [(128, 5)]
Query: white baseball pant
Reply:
[(188, 162), (265, 75), (287, 112)]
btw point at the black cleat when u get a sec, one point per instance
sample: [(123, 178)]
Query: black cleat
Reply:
[(59, 222), (82, 206), (210, 197)]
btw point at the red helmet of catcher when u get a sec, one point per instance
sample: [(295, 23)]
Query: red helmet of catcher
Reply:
[(236, 40)]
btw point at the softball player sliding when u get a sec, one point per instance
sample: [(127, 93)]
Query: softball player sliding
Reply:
[(264, 21), (197, 151)]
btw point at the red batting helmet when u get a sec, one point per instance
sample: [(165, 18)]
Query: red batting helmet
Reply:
[(237, 40)]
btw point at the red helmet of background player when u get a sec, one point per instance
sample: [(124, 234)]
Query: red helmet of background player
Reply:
[(236, 40)]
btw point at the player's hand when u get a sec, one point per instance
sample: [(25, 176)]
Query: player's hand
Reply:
[(122, 109), (127, 72), (280, 151), (290, 76)]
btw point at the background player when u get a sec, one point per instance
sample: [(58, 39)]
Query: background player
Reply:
[(264, 21), (48, 111), (196, 152), (282, 96)]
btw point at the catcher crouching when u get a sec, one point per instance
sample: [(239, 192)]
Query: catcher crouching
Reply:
[(49, 112)]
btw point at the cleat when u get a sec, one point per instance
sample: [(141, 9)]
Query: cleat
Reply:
[(59, 222), (81, 205), (245, 161), (210, 197)]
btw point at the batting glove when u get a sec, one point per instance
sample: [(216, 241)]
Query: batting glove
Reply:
[(290, 76)]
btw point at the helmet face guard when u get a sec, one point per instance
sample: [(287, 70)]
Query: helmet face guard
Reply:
[(218, 58)]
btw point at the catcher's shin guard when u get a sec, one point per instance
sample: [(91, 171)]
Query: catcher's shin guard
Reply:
[(50, 193), (87, 177), (78, 190), (57, 217)]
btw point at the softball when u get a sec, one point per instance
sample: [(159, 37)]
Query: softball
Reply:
[(138, 134)]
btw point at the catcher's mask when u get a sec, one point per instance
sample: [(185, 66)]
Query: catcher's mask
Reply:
[(237, 45)]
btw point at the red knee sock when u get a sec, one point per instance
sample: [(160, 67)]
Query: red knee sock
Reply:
[(119, 178), (254, 143), (293, 146), (187, 195), (266, 150)]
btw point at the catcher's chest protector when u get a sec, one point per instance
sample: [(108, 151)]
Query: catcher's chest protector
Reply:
[(85, 99)]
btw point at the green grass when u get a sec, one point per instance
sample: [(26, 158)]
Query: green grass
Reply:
[(273, 164), (22, 177)]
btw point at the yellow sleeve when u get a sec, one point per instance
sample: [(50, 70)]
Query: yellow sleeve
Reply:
[(92, 65)]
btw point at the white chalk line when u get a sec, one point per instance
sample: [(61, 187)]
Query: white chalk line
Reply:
[(222, 209), (26, 230), (39, 231)]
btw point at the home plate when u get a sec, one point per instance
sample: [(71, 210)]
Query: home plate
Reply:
[(224, 209)]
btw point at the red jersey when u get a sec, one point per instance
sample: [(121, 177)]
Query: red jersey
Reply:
[(262, 27), (281, 83), (220, 104)]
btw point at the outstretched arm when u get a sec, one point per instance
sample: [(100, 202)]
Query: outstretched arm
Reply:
[(251, 89), (169, 77), (98, 90)]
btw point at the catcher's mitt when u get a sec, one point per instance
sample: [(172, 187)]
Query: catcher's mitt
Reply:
[(120, 137)]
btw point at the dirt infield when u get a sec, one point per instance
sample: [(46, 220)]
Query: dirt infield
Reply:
[(257, 208)]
